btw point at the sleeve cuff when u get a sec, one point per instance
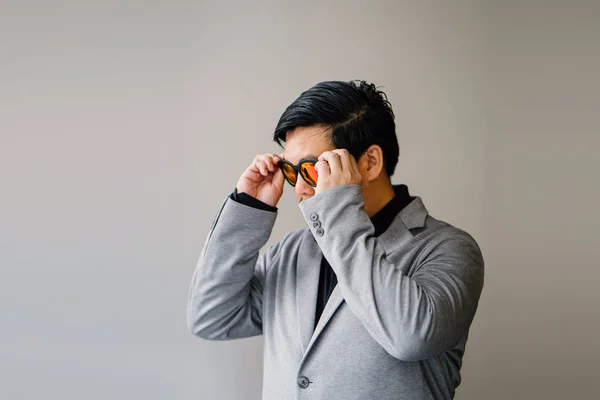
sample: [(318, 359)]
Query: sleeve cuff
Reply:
[(247, 200)]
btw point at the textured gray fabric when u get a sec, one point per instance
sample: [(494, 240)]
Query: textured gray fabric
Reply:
[(395, 326)]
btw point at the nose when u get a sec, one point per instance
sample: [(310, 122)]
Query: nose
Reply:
[(303, 190)]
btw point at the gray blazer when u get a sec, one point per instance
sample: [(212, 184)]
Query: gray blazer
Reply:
[(395, 326)]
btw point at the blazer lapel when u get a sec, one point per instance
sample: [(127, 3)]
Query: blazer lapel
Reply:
[(334, 302), (308, 269), (307, 284)]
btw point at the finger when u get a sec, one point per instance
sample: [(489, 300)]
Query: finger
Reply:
[(278, 177), (347, 160), (269, 161), (341, 152), (262, 167), (264, 160), (333, 159), (322, 169), (276, 159), (254, 166), (273, 159)]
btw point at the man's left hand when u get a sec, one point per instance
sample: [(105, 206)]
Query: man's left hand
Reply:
[(336, 168)]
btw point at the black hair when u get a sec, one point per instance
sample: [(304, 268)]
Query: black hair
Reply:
[(357, 114)]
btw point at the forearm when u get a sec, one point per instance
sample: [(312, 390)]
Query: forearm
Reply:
[(226, 291), (412, 317)]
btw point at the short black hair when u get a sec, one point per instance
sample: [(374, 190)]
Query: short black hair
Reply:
[(357, 114)]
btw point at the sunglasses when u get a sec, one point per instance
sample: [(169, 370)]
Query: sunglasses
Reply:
[(306, 169)]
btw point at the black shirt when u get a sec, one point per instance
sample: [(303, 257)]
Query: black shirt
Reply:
[(327, 278)]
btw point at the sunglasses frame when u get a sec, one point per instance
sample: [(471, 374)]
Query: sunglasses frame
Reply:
[(297, 169)]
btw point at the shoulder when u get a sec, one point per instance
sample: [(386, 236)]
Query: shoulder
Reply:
[(440, 237), (442, 231)]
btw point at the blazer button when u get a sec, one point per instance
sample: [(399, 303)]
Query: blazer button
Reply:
[(303, 382), (320, 232), (314, 217), (317, 224)]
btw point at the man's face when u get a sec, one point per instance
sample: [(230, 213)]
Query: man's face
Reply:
[(302, 143)]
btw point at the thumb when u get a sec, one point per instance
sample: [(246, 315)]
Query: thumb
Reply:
[(278, 177)]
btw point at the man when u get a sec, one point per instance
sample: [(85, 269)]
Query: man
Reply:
[(375, 299)]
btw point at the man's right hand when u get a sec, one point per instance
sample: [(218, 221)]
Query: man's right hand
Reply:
[(263, 179)]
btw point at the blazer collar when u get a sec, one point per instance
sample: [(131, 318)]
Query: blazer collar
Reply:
[(413, 216)]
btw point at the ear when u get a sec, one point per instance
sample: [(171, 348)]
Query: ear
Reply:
[(371, 163)]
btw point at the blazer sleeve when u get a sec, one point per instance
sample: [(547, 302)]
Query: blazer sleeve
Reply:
[(412, 317), (225, 295)]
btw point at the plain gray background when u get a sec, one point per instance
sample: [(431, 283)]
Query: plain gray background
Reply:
[(124, 125)]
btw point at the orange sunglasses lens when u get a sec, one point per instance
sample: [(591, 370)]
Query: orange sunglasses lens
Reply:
[(309, 173), (288, 173)]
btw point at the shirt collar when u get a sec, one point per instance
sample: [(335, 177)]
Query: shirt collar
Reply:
[(384, 217)]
